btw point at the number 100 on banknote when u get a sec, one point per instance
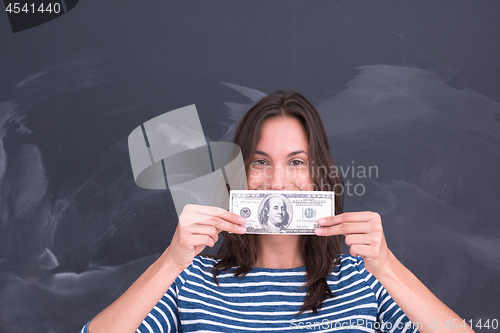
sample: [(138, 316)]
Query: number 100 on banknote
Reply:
[(282, 212)]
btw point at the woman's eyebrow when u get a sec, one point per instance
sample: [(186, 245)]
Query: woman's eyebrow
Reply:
[(293, 153)]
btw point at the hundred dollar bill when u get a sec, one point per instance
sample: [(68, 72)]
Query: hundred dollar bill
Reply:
[(282, 212)]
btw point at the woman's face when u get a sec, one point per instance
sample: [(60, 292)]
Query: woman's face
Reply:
[(281, 157)]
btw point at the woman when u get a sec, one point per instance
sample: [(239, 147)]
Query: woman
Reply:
[(278, 282)]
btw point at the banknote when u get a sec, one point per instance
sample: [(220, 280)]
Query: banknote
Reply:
[(282, 212)]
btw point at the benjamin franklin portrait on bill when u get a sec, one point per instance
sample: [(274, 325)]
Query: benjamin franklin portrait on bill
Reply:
[(275, 213)]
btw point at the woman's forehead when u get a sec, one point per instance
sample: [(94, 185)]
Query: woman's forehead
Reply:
[(283, 135)]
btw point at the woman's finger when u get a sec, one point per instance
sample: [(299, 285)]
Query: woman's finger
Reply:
[(362, 239), (223, 225), (349, 217), (200, 229), (208, 227), (368, 252), (201, 215), (347, 228), (210, 211), (360, 250), (200, 240)]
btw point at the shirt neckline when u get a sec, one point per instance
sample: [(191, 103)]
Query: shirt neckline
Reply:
[(274, 270)]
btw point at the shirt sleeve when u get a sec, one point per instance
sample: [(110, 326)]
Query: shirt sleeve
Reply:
[(164, 317), (390, 316), (85, 328)]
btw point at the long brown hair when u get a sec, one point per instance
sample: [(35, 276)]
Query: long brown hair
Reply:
[(321, 254)]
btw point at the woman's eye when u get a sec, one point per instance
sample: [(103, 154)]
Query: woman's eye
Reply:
[(260, 162), (296, 162)]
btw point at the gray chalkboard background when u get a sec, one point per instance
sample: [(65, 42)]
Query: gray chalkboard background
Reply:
[(411, 87)]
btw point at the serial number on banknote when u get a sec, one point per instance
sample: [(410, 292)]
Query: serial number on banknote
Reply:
[(282, 212)]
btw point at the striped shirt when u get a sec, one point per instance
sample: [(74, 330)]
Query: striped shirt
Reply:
[(267, 300)]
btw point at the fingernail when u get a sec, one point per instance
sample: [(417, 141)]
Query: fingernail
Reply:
[(321, 221), (242, 219), (243, 229), (319, 230)]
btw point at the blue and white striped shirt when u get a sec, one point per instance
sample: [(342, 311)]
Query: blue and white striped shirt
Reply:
[(266, 300)]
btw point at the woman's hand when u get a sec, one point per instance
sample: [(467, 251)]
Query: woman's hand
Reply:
[(363, 233), (199, 226)]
